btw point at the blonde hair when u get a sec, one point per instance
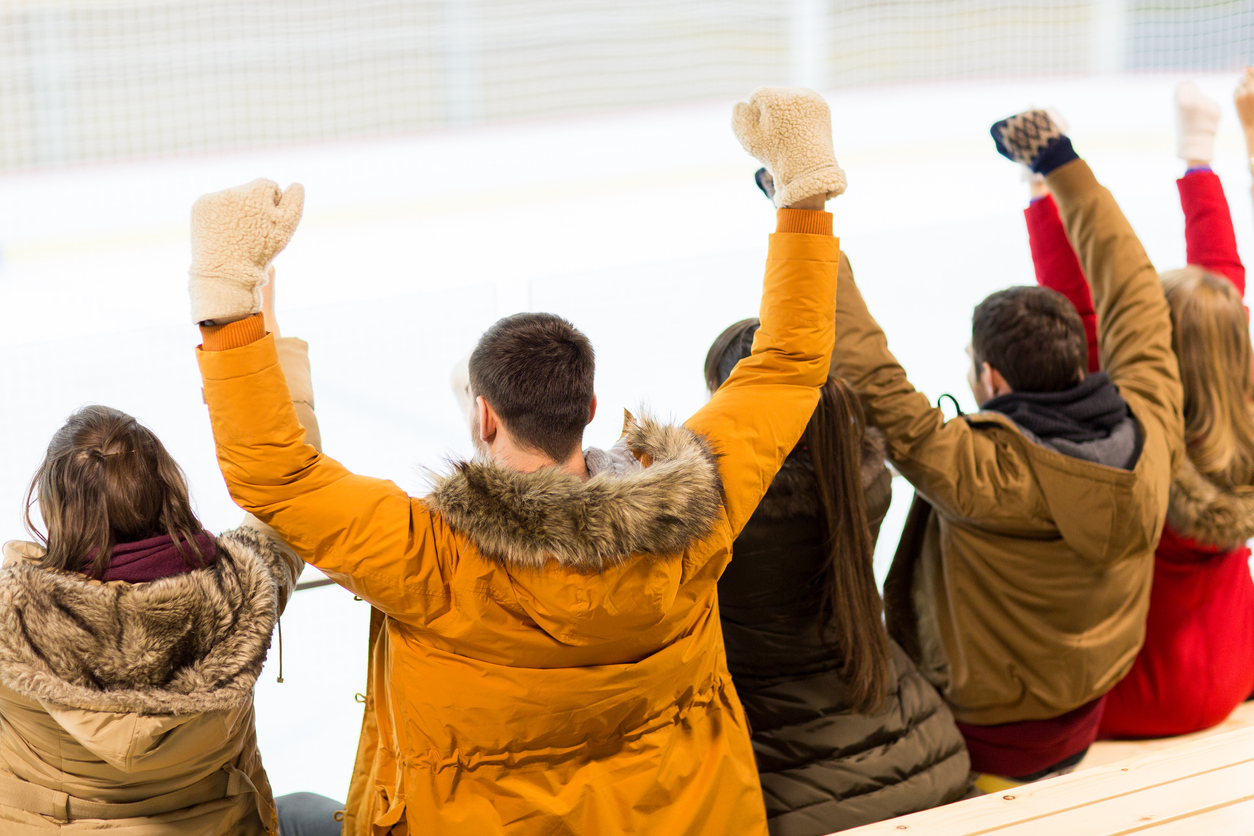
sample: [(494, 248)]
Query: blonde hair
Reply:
[(1211, 337)]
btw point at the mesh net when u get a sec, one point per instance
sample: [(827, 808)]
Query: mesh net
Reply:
[(118, 79)]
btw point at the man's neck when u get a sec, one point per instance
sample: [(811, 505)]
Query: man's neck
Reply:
[(529, 461)]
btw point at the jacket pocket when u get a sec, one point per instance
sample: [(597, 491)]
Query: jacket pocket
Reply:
[(389, 814)]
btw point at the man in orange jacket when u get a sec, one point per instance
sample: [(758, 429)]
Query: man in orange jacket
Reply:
[(546, 655)]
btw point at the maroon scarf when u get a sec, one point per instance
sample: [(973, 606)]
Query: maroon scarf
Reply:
[(154, 558)]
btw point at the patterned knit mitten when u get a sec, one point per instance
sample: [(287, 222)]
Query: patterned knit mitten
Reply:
[(1197, 120), (1027, 175), (1033, 139)]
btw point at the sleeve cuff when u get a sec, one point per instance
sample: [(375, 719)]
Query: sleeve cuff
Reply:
[(236, 334), (807, 222)]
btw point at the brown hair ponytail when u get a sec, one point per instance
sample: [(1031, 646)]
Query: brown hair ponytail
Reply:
[(105, 480), (850, 603)]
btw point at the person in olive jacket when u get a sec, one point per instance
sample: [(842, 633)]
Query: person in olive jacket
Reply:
[(1022, 580), (845, 730)]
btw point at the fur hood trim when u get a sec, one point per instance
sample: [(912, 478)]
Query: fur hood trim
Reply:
[(794, 492), (1206, 513), (186, 644), (528, 519)]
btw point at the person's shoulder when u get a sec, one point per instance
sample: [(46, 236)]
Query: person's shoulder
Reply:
[(21, 551)]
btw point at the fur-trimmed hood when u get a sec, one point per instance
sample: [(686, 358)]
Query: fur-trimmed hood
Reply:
[(181, 645), (529, 519), (1207, 513)]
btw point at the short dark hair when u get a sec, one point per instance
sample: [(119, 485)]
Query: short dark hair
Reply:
[(1033, 337), (536, 371)]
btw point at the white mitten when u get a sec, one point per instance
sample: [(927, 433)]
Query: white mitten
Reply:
[(235, 235), (1197, 119), (790, 130)]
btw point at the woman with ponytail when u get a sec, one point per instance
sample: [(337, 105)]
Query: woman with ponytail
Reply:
[(131, 640), (845, 730)]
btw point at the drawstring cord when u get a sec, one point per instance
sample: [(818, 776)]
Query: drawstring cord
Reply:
[(953, 400), (280, 620)]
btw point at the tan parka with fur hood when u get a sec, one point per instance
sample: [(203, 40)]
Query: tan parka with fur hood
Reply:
[(546, 655), (128, 708), (1022, 587)]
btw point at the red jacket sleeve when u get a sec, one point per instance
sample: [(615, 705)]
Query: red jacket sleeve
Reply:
[(1210, 240), (1058, 268)]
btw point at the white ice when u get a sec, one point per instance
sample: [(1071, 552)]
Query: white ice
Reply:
[(643, 227)]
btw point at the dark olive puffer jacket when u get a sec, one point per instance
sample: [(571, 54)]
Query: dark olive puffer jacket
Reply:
[(824, 768)]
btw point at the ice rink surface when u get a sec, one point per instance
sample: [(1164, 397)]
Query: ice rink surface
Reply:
[(644, 228)]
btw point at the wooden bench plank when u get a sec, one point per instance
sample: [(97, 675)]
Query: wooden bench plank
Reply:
[(1234, 820), (1081, 815), (1220, 768)]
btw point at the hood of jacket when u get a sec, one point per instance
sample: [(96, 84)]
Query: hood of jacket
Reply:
[(589, 561), (1207, 513), (528, 520), (1091, 493), (1090, 421), (166, 650)]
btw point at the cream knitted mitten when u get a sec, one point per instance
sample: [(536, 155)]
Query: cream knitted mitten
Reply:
[(235, 235), (790, 130), (1197, 119)]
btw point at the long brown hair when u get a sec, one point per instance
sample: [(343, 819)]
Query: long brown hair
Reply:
[(850, 602), (1211, 338), (105, 480)]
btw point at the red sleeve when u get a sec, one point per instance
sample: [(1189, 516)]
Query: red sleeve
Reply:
[(1058, 268), (1210, 240)]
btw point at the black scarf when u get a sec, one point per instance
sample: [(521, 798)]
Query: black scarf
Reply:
[(1087, 412)]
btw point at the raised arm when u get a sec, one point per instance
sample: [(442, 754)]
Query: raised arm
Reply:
[(294, 360), (758, 415), (1209, 237), (1210, 240), (1134, 326), (947, 461), (366, 534)]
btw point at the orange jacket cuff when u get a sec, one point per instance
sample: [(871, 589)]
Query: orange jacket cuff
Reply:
[(236, 334), (807, 221)]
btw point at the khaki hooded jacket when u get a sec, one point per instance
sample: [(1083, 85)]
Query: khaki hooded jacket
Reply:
[(546, 656), (1022, 582), (128, 708)]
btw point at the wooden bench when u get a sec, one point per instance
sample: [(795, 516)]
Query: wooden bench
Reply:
[(1109, 751), (1197, 787)]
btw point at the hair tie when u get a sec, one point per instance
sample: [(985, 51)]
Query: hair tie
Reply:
[(100, 454)]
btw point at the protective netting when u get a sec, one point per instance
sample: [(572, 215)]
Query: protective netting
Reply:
[(99, 80)]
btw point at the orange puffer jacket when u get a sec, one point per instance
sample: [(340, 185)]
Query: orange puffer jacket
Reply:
[(546, 655)]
